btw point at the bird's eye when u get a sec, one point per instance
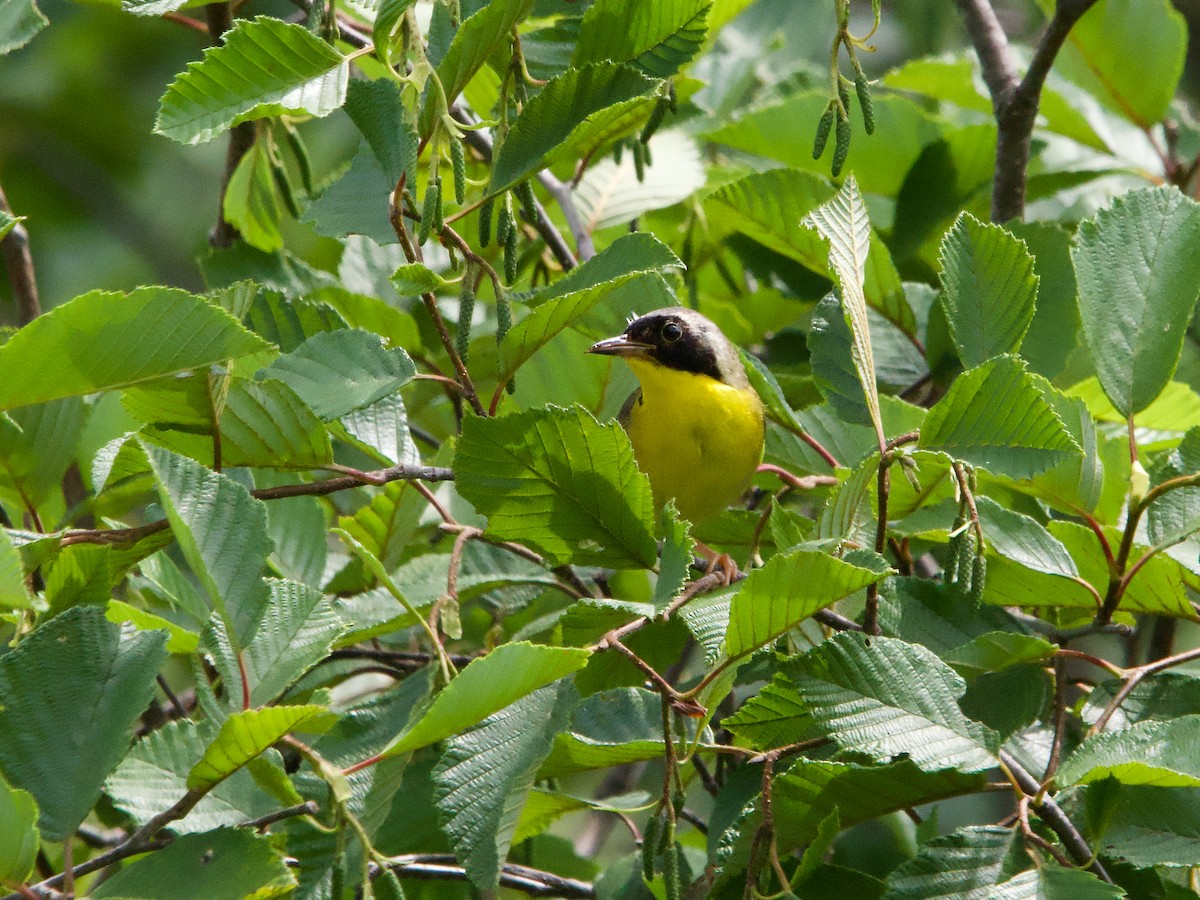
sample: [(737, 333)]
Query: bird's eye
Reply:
[(671, 332)]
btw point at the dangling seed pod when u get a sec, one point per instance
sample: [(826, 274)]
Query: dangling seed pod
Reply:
[(650, 845), (671, 878), (823, 128), (466, 311), (863, 88), (458, 159), (510, 255), (978, 579), (841, 146), (429, 208), (524, 192), (656, 119), (639, 160), (485, 221)]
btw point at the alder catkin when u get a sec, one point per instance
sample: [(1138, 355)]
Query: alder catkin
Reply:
[(656, 119), (458, 159), (524, 192), (823, 128), (650, 845), (863, 89), (433, 200), (671, 879), (510, 255), (978, 579), (841, 146), (639, 160), (485, 221), (504, 223), (466, 311)]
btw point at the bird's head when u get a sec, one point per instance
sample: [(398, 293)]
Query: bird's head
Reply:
[(677, 338)]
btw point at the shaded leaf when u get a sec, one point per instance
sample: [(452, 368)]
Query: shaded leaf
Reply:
[(77, 669), (965, 865), (20, 20), (246, 734), (1149, 753), (19, 840), (658, 38)]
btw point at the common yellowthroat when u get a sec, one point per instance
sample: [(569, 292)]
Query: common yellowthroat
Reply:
[(696, 424)]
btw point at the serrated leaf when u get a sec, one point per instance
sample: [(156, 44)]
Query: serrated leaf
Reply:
[(14, 593), (774, 717), (180, 640), (153, 776), (415, 278), (7, 220), (559, 482), (484, 774), (570, 106), (998, 650), (246, 734), (223, 864), (356, 203), (989, 289), (831, 355), (222, 532), (176, 332), (805, 795), (994, 416), (843, 222), (252, 203), (785, 592), (1137, 290), (19, 839), (628, 257), (1056, 883), (487, 685), (20, 20), (336, 372), (1153, 826), (387, 15), (884, 697), (1150, 753), (767, 205), (75, 668), (965, 865), (377, 110), (265, 423), (264, 67), (1023, 540), (611, 194), (676, 560), (659, 38), (296, 633), (475, 40)]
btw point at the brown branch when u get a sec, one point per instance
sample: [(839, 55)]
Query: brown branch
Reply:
[(1133, 678), (308, 489), (19, 263), (1015, 100), (445, 867), (219, 17), (1052, 814)]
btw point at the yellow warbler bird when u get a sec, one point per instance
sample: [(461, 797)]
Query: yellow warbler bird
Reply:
[(696, 424)]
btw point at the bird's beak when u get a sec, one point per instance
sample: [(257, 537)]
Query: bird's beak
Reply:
[(620, 346)]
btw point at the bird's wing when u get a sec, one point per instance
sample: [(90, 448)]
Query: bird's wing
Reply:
[(627, 407)]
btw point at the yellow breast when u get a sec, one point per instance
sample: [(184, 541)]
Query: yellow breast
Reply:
[(699, 440)]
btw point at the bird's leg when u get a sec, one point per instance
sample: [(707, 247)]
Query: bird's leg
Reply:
[(723, 561)]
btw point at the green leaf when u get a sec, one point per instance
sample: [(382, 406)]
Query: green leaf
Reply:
[(153, 776), (224, 864), (246, 734), (356, 203), (785, 592), (677, 554), (569, 108), (626, 258), (475, 40), (611, 194), (7, 220), (1154, 826), (336, 372), (998, 650), (222, 532), (1056, 883), (484, 774), (883, 697), (658, 38), (1175, 516), (487, 685), (1160, 697), (387, 15), (296, 633), (559, 482), (843, 222), (14, 593), (1157, 38), (20, 20), (966, 864), (1023, 540), (377, 110), (19, 839), (767, 205), (1137, 290), (994, 416), (805, 795), (989, 288), (831, 355), (264, 67), (176, 332), (774, 717), (180, 640), (265, 423), (252, 203), (76, 669), (1151, 753), (608, 728), (415, 278)]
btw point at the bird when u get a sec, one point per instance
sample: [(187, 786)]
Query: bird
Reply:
[(696, 424)]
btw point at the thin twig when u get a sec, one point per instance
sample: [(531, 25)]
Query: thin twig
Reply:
[(445, 867), (1133, 678)]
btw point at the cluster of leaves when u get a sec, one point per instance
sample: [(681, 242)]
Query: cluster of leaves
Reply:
[(340, 594)]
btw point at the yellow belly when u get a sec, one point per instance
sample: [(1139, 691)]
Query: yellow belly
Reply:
[(697, 439)]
